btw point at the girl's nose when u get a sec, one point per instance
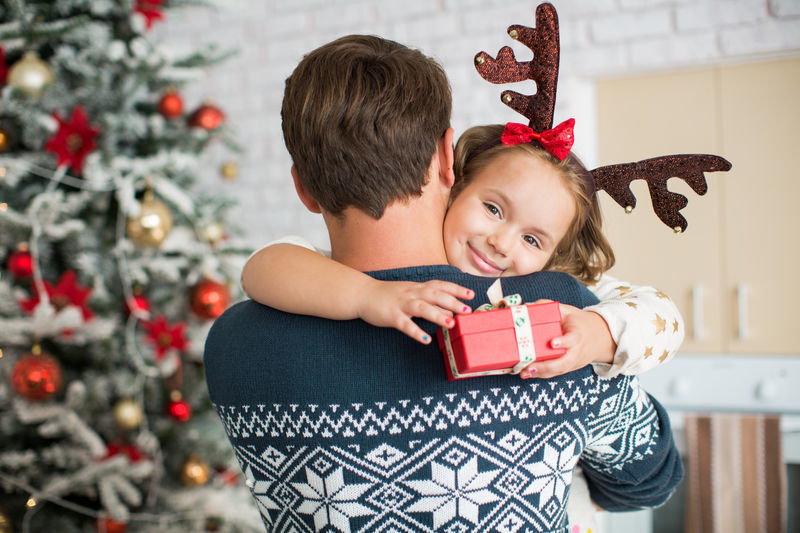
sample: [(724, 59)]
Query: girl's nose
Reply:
[(501, 240)]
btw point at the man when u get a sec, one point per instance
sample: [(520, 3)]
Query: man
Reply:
[(348, 427)]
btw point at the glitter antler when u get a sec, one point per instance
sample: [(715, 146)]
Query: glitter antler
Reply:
[(616, 180), (543, 41), (538, 109)]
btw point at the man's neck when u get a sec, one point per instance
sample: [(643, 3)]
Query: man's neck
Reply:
[(408, 234)]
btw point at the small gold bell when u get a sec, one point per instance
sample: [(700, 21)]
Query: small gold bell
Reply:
[(628, 209), (507, 98), (514, 34), (479, 60)]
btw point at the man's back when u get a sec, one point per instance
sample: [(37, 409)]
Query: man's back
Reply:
[(343, 425)]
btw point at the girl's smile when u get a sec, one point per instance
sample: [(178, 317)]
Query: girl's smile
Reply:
[(510, 218)]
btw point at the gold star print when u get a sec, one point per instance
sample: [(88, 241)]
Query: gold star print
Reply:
[(660, 324), (675, 327), (632, 304), (663, 356), (648, 351), (624, 291), (660, 294)]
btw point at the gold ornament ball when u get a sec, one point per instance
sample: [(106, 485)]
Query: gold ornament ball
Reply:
[(213, 232), (229, 170), (30, 74), (194, 472), (153, 223), (5, 142), (5, 523), (127, 414)]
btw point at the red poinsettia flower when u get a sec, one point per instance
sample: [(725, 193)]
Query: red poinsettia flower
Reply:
[(74, 139), (3, 66), (67, 292), (134, 454), (164, 335), (150, 10)]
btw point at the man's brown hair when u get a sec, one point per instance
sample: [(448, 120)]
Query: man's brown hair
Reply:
[(361, 119)]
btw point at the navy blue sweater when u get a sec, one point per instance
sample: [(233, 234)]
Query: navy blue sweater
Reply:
[(341, 426)]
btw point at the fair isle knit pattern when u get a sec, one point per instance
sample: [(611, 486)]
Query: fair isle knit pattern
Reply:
[(411, 477), (388, 444)]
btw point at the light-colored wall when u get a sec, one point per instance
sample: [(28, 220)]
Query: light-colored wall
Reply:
[(599, 38)]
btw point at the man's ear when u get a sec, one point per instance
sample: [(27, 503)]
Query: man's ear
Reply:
[(303, 194), (444, 151)]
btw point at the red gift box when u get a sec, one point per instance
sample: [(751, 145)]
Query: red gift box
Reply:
[(488, 342)]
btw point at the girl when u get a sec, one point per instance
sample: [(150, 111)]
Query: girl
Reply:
[(514, 209)]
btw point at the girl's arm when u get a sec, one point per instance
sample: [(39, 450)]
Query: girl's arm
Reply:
[(299, 280), (645, 323), (632, 330)]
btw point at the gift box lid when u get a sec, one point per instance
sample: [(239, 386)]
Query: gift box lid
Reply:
[(500, 319)]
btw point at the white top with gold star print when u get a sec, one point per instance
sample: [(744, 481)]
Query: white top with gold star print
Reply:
[(644, 322)]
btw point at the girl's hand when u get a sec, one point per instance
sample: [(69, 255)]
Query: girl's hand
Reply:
[(394, 303), (586, 339)]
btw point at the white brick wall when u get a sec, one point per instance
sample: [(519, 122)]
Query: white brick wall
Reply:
[(600, 38)]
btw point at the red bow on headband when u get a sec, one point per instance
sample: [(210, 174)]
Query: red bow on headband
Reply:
[(558, 141)]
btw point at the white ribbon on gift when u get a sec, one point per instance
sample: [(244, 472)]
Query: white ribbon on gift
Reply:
[(522, 330)]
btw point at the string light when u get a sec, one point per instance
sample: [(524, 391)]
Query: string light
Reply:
[(31, 502), (3, 206)]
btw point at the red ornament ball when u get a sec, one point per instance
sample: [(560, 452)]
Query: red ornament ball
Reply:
[(109, 525), (171, 105), (180, 410), (207, 116), (36, 377), (20, 264), (209, 299)]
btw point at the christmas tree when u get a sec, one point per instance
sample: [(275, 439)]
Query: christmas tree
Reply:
[(113, 265)]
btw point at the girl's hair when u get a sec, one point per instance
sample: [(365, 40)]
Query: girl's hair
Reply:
[(584, 252)]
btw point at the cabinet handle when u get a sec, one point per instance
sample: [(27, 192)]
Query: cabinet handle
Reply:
[(698, 328), (742, 296)]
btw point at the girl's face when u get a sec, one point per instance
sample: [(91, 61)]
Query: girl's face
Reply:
[(509, 219)]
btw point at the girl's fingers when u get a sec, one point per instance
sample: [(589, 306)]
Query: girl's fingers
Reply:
[(442, 294), (455, 290), (450, 303), (414, 331), (426, 311), (566, 341)]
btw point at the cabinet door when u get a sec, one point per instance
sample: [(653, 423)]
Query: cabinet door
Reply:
[(732, 273), (760, 129), (648, 116)]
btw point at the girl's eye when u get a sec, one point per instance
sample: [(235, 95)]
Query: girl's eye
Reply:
[(491, 208), (530, 239)]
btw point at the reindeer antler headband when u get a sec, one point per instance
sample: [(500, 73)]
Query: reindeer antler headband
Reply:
[(538, 109)]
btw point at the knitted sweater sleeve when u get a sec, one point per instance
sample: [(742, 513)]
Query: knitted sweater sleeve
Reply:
[(630, 461)]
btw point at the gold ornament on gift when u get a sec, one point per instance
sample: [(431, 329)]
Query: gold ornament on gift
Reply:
[(30, 74), (127, 414), (229, 170), (194, 472), (153, 223)]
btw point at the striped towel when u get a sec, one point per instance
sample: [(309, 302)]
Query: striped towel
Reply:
[(736, 479)]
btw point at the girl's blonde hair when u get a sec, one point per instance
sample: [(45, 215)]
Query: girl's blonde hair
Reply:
[(584, 252)]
